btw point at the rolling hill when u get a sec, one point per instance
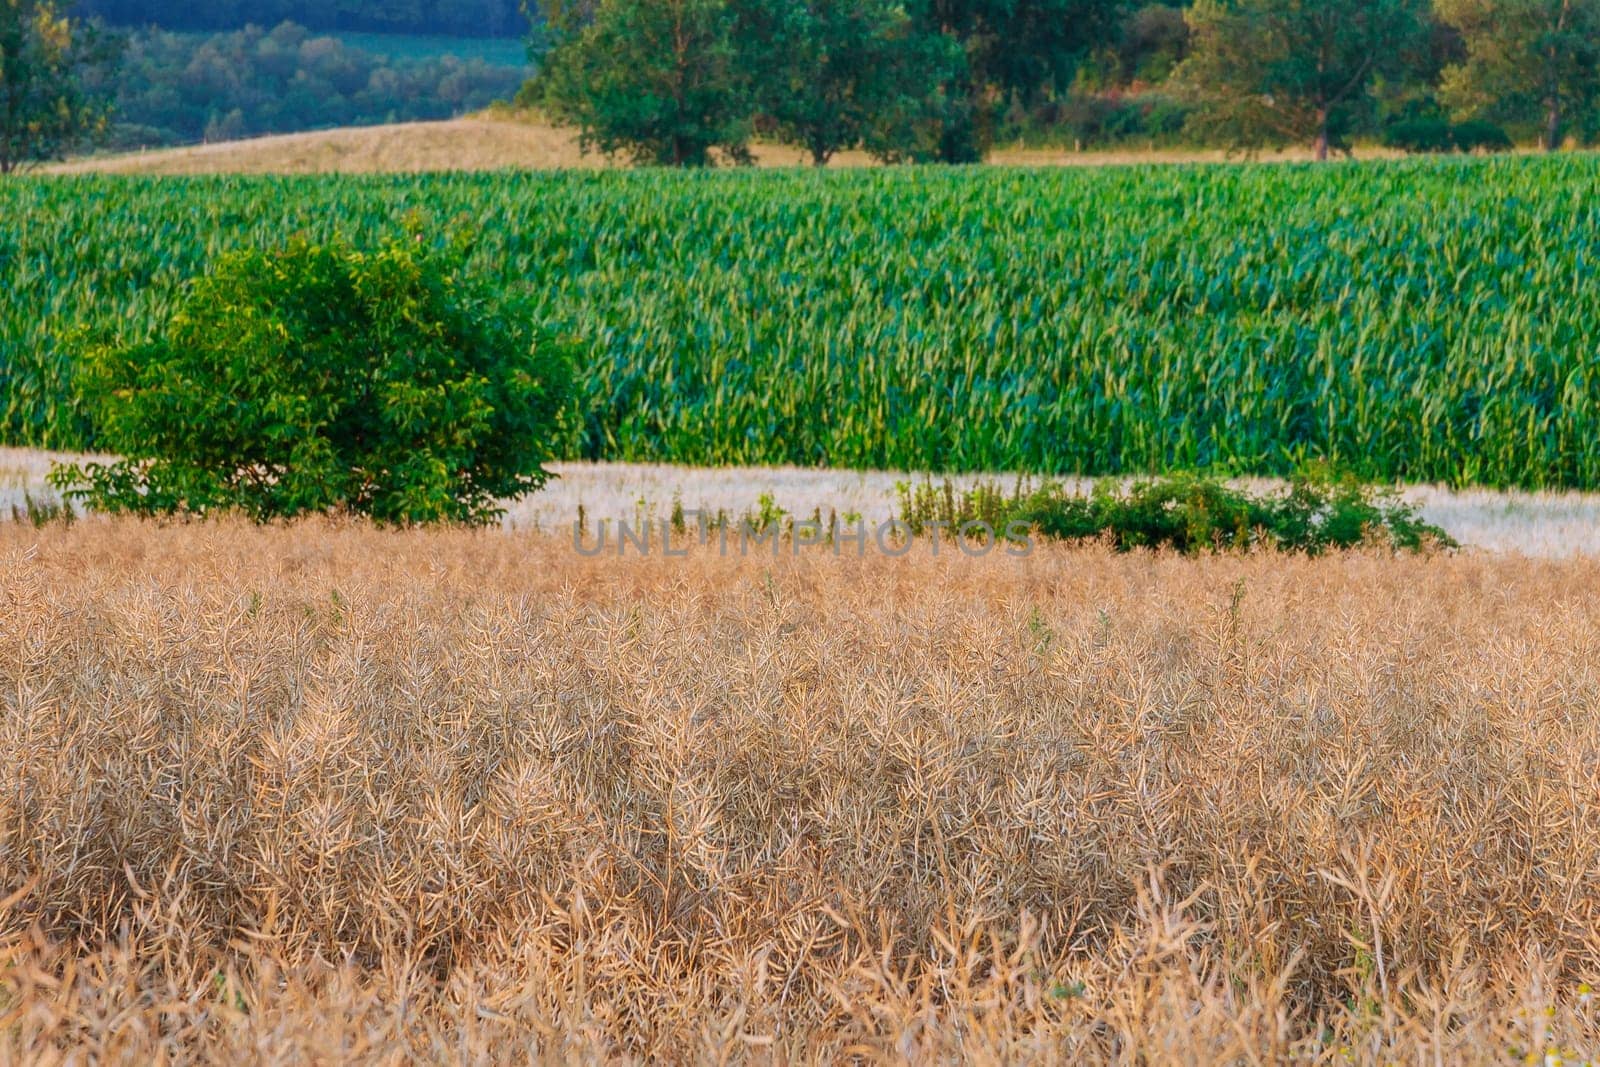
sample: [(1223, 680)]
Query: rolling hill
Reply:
[(493, 142)]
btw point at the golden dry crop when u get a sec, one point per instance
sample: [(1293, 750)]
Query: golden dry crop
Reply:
[(329, 794)]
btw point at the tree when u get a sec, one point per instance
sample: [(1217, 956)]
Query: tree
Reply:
[(659, 80), (1154, 40), (323, 377), (1285, 71), (54, 72), (1015, 51), (1526, 60), (837, 74)]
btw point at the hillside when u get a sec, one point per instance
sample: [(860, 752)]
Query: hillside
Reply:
[(178, 89), (462, 144), (491, 143)]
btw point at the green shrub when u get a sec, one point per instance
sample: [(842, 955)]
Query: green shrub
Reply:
[(1420, 135), (41, 511), (1313, 514), (324, 378), (1477, 135), (1433, 134), (1105, 119)]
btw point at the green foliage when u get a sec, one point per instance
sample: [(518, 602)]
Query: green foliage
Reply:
[(1526, 60), (660, 81), (1420, 135), (1154, 39), (1315, 513), (675, 82), (1016, 52), (178, 88), (925, 505), (767, 516), (1478, 135), (836, 74), (321, 378), (1404, 319), (494, 52), (1438, 135), (40, 512), (1275, 72), (1083, 120), (54, 77), (1192, 514), (458, 18)]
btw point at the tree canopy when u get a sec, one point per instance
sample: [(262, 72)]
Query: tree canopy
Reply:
[(1285, 71), (838, 74), (1015, 51), (54, 82), (658, 80), (1525, 60)]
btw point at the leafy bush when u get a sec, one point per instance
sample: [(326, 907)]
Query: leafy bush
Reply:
[(1091, 120), (1431, 134), (1314, 514), (1420, 135), (1476, 135), (323, 378)]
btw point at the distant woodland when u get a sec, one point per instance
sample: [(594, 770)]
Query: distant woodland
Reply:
[(466, 18), (178, 88)]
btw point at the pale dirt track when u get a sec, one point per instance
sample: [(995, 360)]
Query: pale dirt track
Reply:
[(1550, 525)]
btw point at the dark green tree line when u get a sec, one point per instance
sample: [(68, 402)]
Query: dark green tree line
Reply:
[(671, 80), (945, 79), (464, 18), (692, 82)]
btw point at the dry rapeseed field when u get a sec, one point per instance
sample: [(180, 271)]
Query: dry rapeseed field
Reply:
[(329, 794)]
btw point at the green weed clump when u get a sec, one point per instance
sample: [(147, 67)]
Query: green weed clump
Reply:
[(41, 511), (1315, 513)]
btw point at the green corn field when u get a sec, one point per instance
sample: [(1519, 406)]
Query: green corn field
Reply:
[(1421, 321)]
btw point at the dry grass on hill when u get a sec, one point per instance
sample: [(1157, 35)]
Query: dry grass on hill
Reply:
[(327, 794), (497, 141), (481, 143)]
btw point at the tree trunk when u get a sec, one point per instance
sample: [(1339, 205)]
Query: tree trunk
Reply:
[(1552, 101), (1322, 136)]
